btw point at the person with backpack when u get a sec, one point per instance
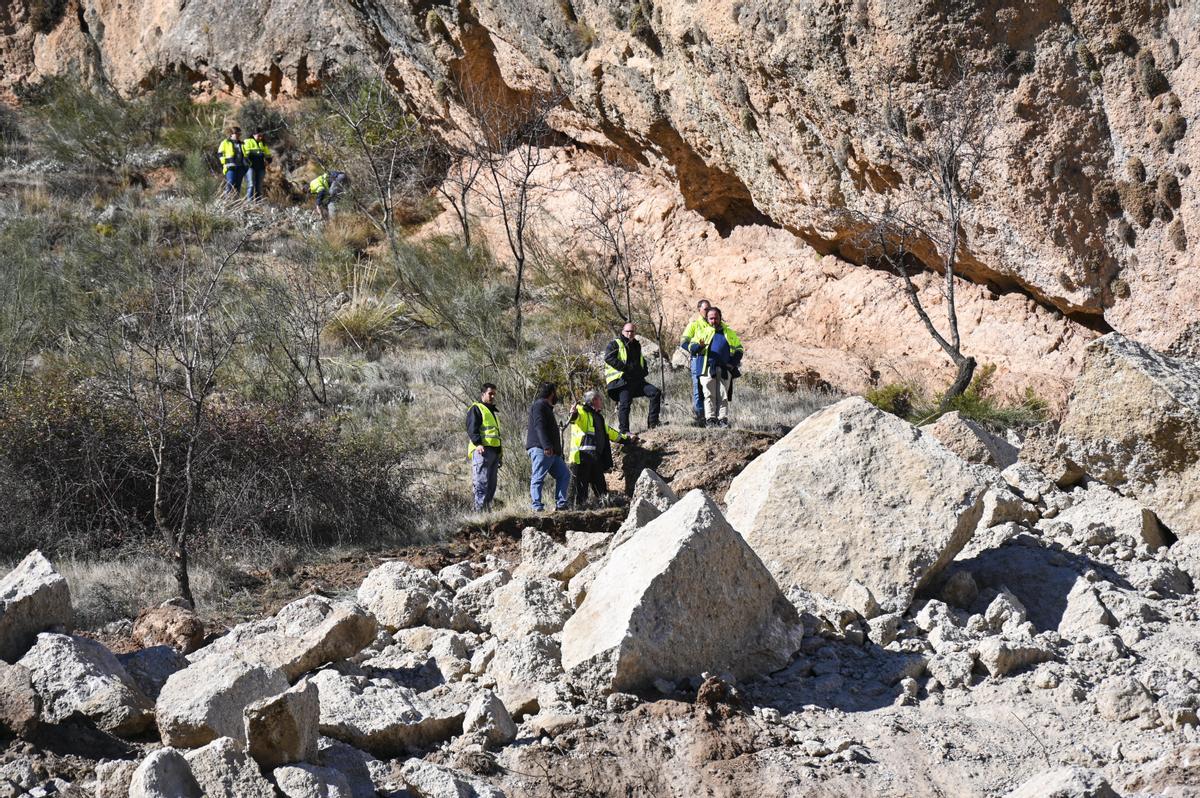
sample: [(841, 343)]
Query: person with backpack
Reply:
[(326, 189)]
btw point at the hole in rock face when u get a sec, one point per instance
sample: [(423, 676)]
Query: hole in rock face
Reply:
[(718, 196)]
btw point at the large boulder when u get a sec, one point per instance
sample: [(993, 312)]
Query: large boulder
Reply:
[(1065, 782), (382, 717), (164, 774), (397, 594), (311, 781), (854, 493), (972, 441), (302, 636), (683, 596), (528, 605), (224, 770), (283, 729), (33, 598), (1133, 422), (20, 707), (1100, 515), (527, 671), (169, 625), (428, 780), (78, 676), (206, 700)]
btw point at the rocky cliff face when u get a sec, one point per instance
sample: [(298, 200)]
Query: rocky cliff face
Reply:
[(758, 111)]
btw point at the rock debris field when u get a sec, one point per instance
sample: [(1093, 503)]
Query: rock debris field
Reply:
[(871, 608)]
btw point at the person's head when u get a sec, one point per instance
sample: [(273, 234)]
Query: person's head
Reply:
[(713, 315), (487, 394), (591, 398), (629, 330), (702, 306), (548, 391), (258, 136), (236, 133)]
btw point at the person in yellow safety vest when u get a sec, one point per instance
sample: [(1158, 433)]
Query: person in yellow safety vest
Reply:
[(258, 155), (692, 333), (591, 453), (720, 350), (484, 450), (625, 377), (233, 161), (326, 189)]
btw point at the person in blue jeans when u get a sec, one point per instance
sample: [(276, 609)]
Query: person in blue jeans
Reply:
[(690, 343), (543, 441)]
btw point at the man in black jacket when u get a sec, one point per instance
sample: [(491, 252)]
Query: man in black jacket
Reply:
[(591, 449), (625, 377), (543, 441), (485, 452)]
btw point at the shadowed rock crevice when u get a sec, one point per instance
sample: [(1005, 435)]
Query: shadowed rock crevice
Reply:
[(720, 197)]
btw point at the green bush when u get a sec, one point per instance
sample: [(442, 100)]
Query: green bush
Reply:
[(78, 474), (899, 399), (978, 403)]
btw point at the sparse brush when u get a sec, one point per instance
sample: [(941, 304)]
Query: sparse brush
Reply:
[(352, 231), (366, 324)]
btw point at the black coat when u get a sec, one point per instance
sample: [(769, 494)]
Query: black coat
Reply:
[(543, 431), (633, 373)]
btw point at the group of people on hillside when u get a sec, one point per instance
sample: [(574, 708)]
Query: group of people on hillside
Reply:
[(715, 352), (246, 161)]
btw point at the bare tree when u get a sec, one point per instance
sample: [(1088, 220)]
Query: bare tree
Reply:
[(606, 221), (359, 125), (295, 306), (461, 176), (163, 361), (510, 143), (945, 143)]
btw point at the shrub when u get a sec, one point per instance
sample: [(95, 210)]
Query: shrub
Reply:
[(366, 324), (78, 474), (257, 116), (351, 231), (898, 399)]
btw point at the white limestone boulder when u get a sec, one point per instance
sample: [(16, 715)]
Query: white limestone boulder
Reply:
[(224, 770), (33, 598), (301, 637), (854, 493), (206, 700), (382, 717), (683, 596), (1133, 422), (75, 675)]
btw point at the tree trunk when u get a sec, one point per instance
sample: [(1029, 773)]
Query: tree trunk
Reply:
[(966, 370), (182, 579)]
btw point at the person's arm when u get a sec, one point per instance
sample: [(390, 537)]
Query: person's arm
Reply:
[(686, 338), (475, 425), (545, 428), (615, 436)]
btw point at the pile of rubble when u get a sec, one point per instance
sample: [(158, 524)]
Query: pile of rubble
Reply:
[(879, 609)]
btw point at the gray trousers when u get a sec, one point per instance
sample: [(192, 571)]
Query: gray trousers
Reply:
[(716, 394), (484, 468)]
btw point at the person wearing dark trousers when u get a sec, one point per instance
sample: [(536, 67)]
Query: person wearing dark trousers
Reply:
[(233, 162), (485, 452), (625, 376), (258, 155), (591, 450), (689, 342), (543, 442)]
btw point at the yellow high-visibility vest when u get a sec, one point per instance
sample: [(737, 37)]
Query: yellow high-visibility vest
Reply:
[(489, 431)]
